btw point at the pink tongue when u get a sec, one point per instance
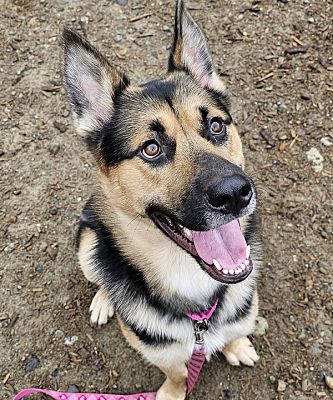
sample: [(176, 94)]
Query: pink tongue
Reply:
[(225, 244)]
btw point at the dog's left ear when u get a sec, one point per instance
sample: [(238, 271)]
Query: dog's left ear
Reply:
[(190, 52)]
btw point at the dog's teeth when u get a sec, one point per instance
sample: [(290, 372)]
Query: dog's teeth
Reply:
[(231, 271), (248, 249), (238, 270), (242, 267), (217, 265), (246, 262), (225, 271)]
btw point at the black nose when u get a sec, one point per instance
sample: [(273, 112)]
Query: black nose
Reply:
[(230, 194)]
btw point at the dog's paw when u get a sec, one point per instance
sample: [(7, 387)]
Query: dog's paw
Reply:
[(240, 351), (171, 392), (101, 309)]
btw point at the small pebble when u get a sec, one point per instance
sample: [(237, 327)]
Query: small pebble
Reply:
[(326, 141), (281, 386), (85, 354), (54, 148), (316, 158), (166, 28), (122, 2), (9, 248), (329, 382), (32, 363), (302, 335), (311, 20), (52, 251), (58, 333), (60, 126), (118, 38), (13, 219), (43, 246), (16, 192), (72, 388), (39, 268), (272, 379), (69, 341), (261, 326), (53, 211)]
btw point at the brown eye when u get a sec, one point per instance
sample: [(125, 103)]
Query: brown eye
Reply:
[(217, 126), (151, 149)]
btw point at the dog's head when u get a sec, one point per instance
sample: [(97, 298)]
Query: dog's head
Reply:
[(168, 149)]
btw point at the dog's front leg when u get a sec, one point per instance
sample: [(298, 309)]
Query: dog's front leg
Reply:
[(170, 359), (240, 351), (174, 387)]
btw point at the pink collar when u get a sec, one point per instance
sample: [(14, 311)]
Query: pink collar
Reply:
[(206, 315), (194, 367)]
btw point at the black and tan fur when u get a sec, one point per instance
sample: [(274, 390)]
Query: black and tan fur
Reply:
[(142, 275)]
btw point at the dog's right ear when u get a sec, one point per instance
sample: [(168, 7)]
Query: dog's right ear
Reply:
[(91, 82)]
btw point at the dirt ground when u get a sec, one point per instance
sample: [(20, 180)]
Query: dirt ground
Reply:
[(276, 58)]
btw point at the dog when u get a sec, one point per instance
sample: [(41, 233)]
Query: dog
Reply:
[(172, 225)]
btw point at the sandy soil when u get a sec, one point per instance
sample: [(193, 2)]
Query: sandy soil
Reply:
[(276, 58)]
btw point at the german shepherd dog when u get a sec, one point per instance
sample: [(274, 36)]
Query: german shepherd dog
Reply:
[(172, 225)]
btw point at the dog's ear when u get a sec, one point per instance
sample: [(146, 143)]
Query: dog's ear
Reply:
[(190, 52), (91, 82)]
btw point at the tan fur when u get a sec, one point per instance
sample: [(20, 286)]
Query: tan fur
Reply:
[(124, 192), (122, 197), (87, 242), (133, 183)]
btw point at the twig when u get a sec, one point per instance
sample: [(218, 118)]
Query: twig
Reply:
[(6, 378), (293, 142), (294, 38), (137, 18), (266, 77), (90, 337)]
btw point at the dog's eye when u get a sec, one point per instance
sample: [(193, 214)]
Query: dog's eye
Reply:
[(151, 149), (217, 126)]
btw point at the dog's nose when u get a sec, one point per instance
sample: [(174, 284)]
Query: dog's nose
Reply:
[(230, 194)]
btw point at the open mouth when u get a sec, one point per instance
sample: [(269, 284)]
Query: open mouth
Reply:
[(221, 252)]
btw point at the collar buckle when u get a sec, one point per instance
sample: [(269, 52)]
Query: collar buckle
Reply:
[(199, 328)]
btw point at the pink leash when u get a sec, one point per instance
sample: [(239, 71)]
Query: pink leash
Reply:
[(195, 364)]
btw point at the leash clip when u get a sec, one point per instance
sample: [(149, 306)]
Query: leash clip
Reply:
[(199, 328)]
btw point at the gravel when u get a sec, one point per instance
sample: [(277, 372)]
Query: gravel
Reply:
[(292, 103), (32, 363)]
